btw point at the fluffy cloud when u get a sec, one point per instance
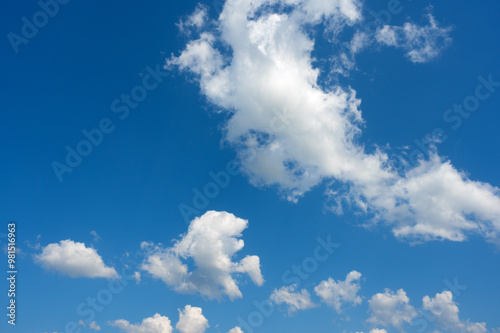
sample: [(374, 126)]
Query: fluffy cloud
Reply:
[(195, 20), (291, 299), (155, 324), (445, 311), (211, 242), (74, 259), (237, 329), (421, 43), (191, 320), (337, 293), (293, 133), (94, 326), (391, 309)]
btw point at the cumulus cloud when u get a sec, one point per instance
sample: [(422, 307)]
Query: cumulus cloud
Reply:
[(211, 242), (94, 326), (336, 293), (237, 329), (191, 320), (445, 312), (291, 299), (196, 20), (155, 324), (390, 309), (74, 259), (421, 43), (292, 132)]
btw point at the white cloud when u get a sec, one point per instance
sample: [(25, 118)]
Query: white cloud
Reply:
[(196, 20), (137, 277), (391, 309), (237, 329), (74, 259), (292, 300), (191, 320), (445, 311), (335, 294), (96, 236), (211, 242), (292, 133), (155, 324), (422, 43), (378, 330), (94, 326)]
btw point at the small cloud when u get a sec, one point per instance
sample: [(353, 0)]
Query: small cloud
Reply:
[(191, 320), (293, 300), (335, 293), (155, 324), (96, 236), (94, 326), (422, 43), (137, 277), (75, 260)]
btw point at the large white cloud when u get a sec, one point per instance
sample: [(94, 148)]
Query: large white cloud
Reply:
[(292, 132), (191, 320), (336, 293), (291, 299), (155, 324), (391, 309), (445, 312), (74, 259), (211, 242)]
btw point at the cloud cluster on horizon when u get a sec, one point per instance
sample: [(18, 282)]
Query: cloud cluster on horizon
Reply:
[(293, 133), (387, 309)]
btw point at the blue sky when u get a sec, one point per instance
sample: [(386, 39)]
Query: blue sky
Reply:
[(358, 96)]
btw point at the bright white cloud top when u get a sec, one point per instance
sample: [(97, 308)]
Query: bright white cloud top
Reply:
[(445, 312), (291, 299), (390, 309), (74, 259), (155, 324), (336, 293), (211, 242), (191, 320), (293, 132)]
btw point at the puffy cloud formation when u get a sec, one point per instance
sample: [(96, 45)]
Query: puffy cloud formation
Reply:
[(391, 309), (237, 329), (335, 293), (254, 62), (74, 259), (94, 326), (421, 43), (211, 242), (195, 20), (291, 299), (191, 320), (445, 311), (155, 324)]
